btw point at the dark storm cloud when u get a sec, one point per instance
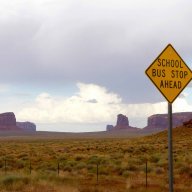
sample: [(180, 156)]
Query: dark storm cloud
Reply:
[(106, 44)]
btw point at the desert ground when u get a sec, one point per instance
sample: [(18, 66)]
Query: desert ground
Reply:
[(94, 162)]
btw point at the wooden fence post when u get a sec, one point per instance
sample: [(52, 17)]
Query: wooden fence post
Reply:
[(58, 168), (97, 172), (5, 166), (146, 170), (30, 167)]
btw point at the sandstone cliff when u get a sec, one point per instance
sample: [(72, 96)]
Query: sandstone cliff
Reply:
[(122, 124), (26, 126), (160, 121), (8, 123), (155, 122)]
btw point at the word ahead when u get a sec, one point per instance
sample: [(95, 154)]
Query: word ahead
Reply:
[(169, 73)]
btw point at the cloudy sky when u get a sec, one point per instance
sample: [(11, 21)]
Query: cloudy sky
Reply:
[(73, 65)]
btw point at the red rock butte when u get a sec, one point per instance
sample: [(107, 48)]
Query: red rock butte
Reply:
[(8, 123), (160, 121), (122, 124), (155, 122)]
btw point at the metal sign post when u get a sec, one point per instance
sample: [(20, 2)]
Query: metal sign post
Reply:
[(170, 74), (170, 153)]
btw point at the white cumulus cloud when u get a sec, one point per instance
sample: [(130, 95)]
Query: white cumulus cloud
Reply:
[(92, 104)]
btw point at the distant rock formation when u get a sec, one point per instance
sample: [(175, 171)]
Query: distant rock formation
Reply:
[(8, 123), (122, 124), (160, 121), (122, 121), (7, 119), (157, 122), (109, 127), (26, 126), (188, 123)]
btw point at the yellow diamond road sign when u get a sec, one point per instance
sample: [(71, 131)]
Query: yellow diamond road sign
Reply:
[(169, 73)]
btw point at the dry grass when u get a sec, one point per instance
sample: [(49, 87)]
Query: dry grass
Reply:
[(121, 163)]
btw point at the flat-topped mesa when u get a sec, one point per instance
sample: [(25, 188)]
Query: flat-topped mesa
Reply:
[(160, 121), (26, 126), (8, 121)]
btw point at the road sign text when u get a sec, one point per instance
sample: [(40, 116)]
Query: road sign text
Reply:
[(169, 73), (169, 63)]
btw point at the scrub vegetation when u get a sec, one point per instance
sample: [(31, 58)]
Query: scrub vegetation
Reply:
[(95, 165)]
